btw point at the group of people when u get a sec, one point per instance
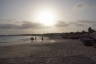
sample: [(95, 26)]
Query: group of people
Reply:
[(35, 38)]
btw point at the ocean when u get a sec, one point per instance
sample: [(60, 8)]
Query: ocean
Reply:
[(7, 39), (10, 40), (13, 40)]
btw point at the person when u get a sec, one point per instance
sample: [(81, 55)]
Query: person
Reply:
[(42, 37), (31, 38), (90, 30)]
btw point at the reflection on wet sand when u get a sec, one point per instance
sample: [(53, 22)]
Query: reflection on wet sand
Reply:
[(48, 53)]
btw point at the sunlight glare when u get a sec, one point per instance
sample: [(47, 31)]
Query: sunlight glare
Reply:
[(46, 17)]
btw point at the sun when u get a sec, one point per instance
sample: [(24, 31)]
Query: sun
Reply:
[(46, 17)]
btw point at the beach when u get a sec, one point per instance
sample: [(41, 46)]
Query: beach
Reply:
[(47, 31), (50, 52)]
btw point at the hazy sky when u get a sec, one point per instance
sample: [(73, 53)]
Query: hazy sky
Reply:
[(17, 16)]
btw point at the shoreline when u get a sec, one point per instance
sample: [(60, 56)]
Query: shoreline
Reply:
[(56, 50)]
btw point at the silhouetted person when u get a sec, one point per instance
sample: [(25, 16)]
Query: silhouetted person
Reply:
[(42, 38), (90, 30), (32, 38)]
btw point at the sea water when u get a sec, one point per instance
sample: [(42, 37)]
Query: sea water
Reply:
[(7, 39), (13, 40)]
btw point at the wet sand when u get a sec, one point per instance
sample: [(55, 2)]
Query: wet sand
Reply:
[(59, 52)]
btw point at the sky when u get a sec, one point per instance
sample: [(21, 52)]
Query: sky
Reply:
[(20, 16)]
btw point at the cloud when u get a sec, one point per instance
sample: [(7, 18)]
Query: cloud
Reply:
[(80, 23), (84, 23), (29, 27), (27, 24), (87, 22), (24, 25), (86, 4), (62, 24), (80, 5), (8, 26)]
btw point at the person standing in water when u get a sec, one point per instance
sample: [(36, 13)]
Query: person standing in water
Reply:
[(42, 38), (32, 38)]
